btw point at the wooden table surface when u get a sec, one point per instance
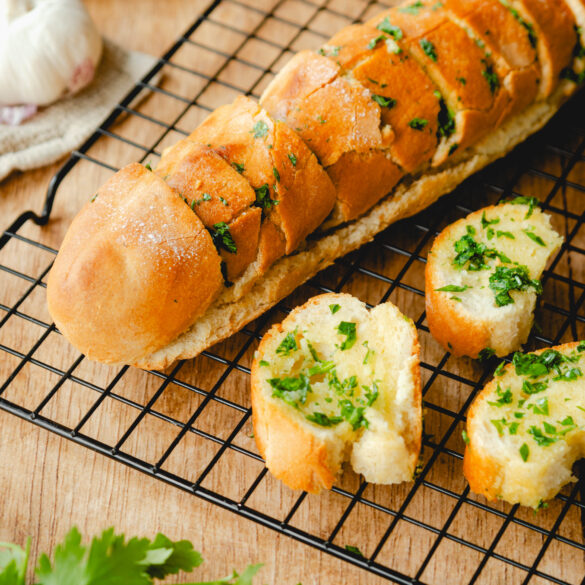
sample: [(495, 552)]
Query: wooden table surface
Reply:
[(48, 484)]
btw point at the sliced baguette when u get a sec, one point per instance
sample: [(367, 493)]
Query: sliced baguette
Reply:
[(526, 428), (364, 406), (466, 311)]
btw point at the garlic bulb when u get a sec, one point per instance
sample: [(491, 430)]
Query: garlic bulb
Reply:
[(48, 48)]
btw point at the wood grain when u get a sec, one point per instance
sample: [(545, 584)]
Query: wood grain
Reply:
[(47, 484)]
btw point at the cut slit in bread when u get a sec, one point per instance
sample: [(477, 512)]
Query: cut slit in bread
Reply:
[(482, 278), (336, 382)]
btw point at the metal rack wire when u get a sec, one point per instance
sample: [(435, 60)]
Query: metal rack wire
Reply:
[(202, 406)]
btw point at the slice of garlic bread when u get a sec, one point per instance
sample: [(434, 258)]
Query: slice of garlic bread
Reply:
[(526, 428), (483, 276), (336, 382)]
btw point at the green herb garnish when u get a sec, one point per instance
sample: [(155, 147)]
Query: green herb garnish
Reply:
[(288, 344), (323, 420), (263, 199), (506, 279), (453, 288), (412, 8), (524, 452), (222, 238), (293, 159), (418, 123), (349, 329), (383, 101), (260, 129), (535, 238), (392, 30), (429, 49), (334, 308)]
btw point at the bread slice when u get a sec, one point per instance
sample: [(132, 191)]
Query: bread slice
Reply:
[(482, 278), (336, 382), (525, 429)]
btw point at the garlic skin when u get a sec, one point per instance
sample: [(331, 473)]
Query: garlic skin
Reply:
[(48, 48)]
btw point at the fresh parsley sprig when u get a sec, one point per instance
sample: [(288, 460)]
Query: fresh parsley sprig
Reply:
[(110, 559)]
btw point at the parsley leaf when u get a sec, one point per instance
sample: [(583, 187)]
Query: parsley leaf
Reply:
[(288, 344), (349, 329), (372, 44), (293, 159), (535, 238), (111, 560), (284, 388), (524, 452), (473, 253), (334, 308), (391, 29), (532, 202), (383, 101), (412, 8), (263, 199), (506, 279), (222, 238), (245, 578), (453, 288), (324, 420), (418, 123), (429, 49), (260, 129), (13, 563)]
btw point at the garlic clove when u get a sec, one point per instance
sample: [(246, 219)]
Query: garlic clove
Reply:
[(47, 48)]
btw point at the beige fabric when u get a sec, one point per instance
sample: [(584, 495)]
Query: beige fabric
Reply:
[(65, 125)]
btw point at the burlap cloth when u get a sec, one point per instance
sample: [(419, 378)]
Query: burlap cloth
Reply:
[(64, 126)]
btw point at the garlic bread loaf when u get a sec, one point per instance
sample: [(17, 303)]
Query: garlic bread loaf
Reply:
[(376, 125), (525, 428), (335, 382), (482, 278)]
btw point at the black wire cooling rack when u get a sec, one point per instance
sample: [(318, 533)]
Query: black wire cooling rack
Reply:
[(190, 426)]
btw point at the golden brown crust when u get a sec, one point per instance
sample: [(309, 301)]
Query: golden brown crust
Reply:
[(370, 174), (250, 140), (457, 333), (461, 69), (245, 231), (398, 78), (554, 26), (503, 35), (143, 261), (338, 120), (213, 188), (292, 454)]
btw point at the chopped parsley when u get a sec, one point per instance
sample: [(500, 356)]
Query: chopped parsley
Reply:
[(292, 390), (239, 167), (372, 44), (391, 29), (263, 363), (453, 288), (354, 549), (263, 199), (445, 117), (465, 437), (506, 279), (224, 201), (288, 344), (384, 101), (276, 174), (348, 329), (260, 129), (534, 237), (509, 235), (222, 238), (334, 308), (490, 76), (472, 255), (353, 414), (293, 159), (147, 166), (487, 222), (429, 49), (504, 397), (323, 420), (532, 202), (524, 452), (535, 365), (418, 123), (412, 8), (486, 353)]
